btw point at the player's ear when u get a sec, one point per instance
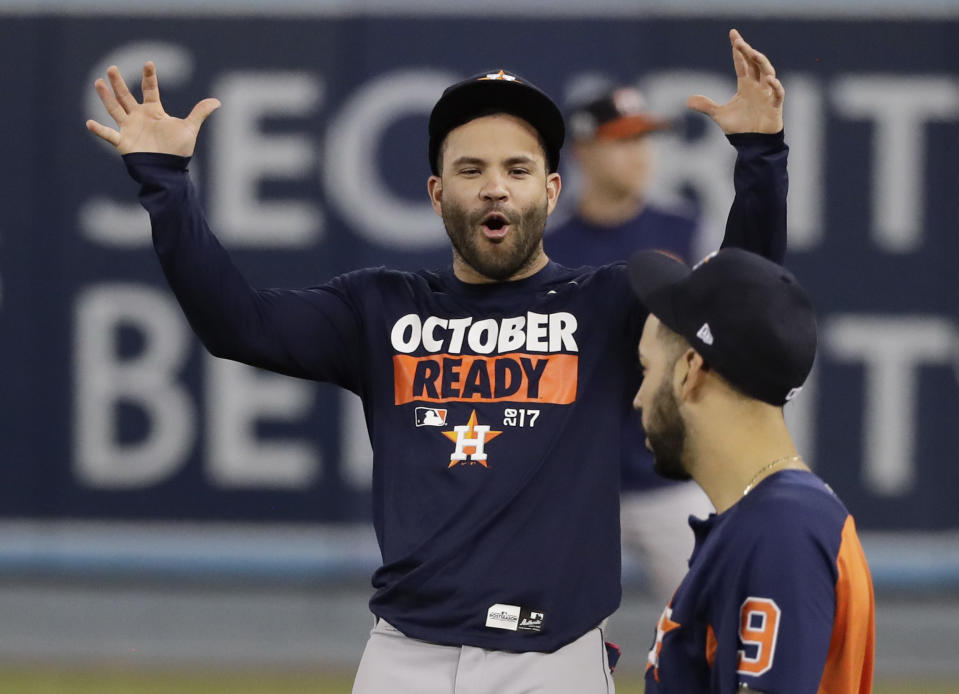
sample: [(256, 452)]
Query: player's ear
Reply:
[(434, 186), (554, 184), (690, 374)]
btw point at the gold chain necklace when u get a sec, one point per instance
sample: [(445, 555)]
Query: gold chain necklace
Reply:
[(767, 466)]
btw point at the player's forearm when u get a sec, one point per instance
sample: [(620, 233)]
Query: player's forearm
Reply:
[(217, 300), (757, 219)]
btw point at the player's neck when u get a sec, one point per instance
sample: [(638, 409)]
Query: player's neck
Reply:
[(608, 209), (740, 450), (465, 272)]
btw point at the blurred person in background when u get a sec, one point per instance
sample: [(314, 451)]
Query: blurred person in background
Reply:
[(614, 217)]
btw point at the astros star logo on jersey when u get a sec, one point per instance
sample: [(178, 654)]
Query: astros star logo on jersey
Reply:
[(470, 439), (663, 626)]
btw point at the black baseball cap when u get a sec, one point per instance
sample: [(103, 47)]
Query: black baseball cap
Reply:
[(747, 316), (497, 91), (616, 113)]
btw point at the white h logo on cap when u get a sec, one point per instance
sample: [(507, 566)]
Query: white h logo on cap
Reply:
[(705, 334)]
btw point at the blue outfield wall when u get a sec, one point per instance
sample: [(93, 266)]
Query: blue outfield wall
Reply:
[(316, 165), (305, 554)]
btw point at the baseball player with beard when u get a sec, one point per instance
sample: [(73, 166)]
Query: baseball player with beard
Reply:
[(498, 522), (778, 596)]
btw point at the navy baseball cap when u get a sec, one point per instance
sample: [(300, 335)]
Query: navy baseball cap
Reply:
[(617, 113), (747, 316), (497, 91)]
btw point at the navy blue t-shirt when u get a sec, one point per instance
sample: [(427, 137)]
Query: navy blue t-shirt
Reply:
[(495, 411), (579, 242)]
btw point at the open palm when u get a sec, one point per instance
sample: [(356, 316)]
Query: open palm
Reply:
[(146, 127), (757, 106)]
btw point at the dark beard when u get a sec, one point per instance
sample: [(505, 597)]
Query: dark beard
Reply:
[(505, 259), (667, 439)]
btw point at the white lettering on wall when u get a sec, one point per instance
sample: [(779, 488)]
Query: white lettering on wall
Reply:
[(147, 381), (900, 106), (356, 453), (243, 156), (804, 118), (892, 351), (239, 396), (351, 169)]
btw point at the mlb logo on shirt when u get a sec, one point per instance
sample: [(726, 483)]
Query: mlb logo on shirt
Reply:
[(530, 620), (430, 417)]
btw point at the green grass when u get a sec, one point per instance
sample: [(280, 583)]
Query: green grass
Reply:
[(107, 681)]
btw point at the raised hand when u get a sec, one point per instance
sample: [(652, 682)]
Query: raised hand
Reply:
[(757, 106), (147, 127)]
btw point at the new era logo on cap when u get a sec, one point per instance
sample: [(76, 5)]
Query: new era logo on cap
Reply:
[(705, 334)]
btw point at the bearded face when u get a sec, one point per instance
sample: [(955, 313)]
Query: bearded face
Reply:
[(494, 195), (497, 241), (666, 433), (659, 353)]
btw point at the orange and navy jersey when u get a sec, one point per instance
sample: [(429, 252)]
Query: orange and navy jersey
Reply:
[(778, 598)]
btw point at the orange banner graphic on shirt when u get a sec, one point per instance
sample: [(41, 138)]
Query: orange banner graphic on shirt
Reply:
[(543, 378)]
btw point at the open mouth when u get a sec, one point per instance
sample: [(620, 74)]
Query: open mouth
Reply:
[(495, 226)]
